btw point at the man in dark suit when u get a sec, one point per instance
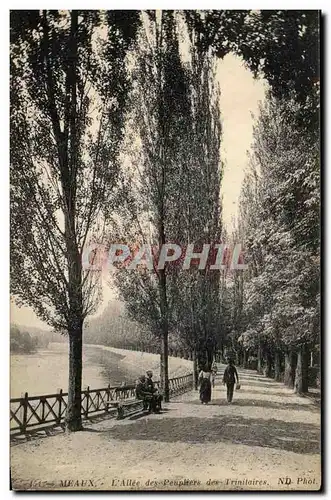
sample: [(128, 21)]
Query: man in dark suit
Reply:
[(230, 377), (151, 400), (154, 390), (142, 391)]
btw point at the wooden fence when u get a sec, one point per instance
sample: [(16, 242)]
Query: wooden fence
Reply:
[(33, 412)]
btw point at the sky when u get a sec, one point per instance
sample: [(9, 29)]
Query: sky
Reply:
[(240, 97)]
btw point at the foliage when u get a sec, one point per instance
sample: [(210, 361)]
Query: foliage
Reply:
[(280, 226), (114, 328), (150, 177), (68, 90), (24, 342), (195, 293), (172, 185), (282, 46)]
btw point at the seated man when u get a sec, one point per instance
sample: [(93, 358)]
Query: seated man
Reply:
[(154, 390), (144, 393)]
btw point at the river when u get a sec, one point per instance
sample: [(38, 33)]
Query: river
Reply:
[(46, 371)]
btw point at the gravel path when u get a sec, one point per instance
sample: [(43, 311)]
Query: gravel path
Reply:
[(267, 439)]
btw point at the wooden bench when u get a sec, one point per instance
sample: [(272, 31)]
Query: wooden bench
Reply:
[(128, 407)]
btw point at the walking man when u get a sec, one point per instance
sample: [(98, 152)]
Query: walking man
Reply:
[(230, 377)]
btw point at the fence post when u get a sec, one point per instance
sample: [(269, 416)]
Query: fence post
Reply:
[(42, 401), (108, 398), (177, 385), (25, 412), (87, 400), (59, 398)]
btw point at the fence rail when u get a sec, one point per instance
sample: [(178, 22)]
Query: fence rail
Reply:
[(33, 412)]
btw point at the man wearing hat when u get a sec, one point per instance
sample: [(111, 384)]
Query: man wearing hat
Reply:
[(157, 397), (230, 377), (149, 380), (144, 392)]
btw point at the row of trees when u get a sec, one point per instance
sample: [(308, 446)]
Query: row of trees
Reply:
[(24, 342), (279, 299), (171, 188), (272, 311), (274, 316), (115, 130), (113, 328), (277, 302)]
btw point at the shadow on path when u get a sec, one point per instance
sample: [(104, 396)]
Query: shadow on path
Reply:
[(274, 385), (270, 404), (246, 389), (258, 403), (289, 436), (144, 414)]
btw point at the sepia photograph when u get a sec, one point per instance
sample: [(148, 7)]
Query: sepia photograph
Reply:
[(165, 240)]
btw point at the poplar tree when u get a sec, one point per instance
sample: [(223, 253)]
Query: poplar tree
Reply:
[(68, 94)]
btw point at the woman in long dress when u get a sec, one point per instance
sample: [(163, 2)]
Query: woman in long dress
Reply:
[(205, 385)]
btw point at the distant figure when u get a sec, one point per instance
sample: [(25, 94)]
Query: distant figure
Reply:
[(213, 373), (204, 381), (230, 377)]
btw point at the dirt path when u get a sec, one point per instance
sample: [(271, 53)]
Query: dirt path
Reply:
[(267, 439)]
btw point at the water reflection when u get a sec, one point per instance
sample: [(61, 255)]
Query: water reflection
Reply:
[(112, 370)]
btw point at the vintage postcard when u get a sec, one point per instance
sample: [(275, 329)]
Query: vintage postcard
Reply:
[(165, 250)]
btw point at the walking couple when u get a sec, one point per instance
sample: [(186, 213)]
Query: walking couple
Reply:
[(207, 379)]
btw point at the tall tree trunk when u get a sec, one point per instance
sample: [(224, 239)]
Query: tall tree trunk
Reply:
[(301, 373), (278, 375), (267, 372), (68, 158), (73, 416), (164, 367), (259, 359), (164, 336), (195, 370), (75, 330), (161, 362), (245, 359), (201, 356), (210, 355), (289, 372)]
